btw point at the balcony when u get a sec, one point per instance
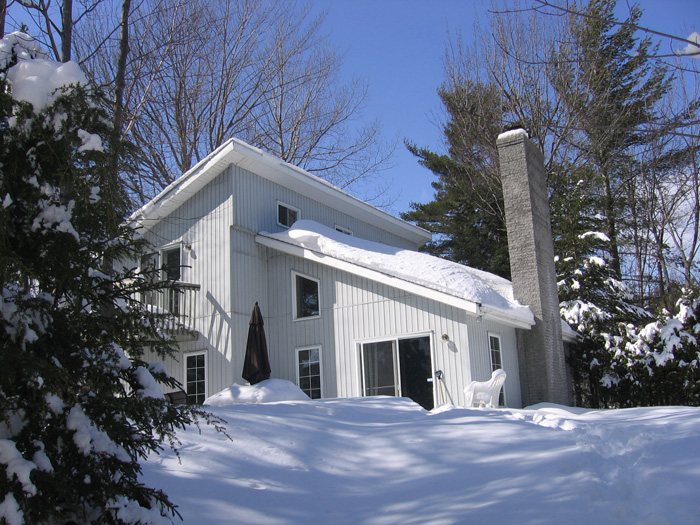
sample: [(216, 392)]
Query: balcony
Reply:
[(178, 304)]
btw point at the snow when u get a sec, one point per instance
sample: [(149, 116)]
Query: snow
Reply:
[(21, 44), (91, 142), (512, 134), (16, 465), (268, 391), (149, 386), (56, 217), (692, 49), (493, 293), (597, 235), (89, 439), (35, 78), (9, 510), (382, 460)]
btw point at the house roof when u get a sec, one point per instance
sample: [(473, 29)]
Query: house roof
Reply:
[(268, 166), (479, 293)]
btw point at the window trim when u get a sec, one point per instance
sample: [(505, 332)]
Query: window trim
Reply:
[(195, 353), (289, 207), (318, 347), (295, 313), (161, 258), (493, 366)]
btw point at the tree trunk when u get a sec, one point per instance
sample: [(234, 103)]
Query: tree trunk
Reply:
[(3, 10), (120, 77), (67, 31)]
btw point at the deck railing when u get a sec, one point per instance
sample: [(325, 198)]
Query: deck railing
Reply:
[(179, 304)]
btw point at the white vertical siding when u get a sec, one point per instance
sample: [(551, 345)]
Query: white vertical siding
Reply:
[(481, 357), (219, 224), (355, 309), (201, 226), (256, 210)]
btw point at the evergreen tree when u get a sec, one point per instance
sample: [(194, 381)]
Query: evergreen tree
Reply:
[(78, 406), (467, 212), (610, 89)]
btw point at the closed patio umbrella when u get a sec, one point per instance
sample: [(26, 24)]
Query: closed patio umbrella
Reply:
[(256, 366)]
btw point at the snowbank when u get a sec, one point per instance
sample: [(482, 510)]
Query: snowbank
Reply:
[(268, 391), (383, 460)]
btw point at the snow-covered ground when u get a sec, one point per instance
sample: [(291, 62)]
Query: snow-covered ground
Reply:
[(386, 460)]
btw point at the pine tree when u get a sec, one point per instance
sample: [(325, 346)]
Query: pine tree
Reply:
[(79, 408), (467, 213), (610, 88)]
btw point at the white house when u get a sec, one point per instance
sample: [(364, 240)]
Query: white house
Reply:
[(350, 307)]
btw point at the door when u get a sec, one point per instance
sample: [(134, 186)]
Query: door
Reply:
[(416, 371), (399, 367)]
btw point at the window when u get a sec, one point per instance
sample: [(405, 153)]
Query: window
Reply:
[(170, 271), (195, 378), (343, 230), (496, 360), (495, 347), (306, 302), (309, 371), (286, 215), (149, 270), (171, 264)]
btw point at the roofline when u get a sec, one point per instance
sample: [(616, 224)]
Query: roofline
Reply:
[(472, 308), (266, 165)]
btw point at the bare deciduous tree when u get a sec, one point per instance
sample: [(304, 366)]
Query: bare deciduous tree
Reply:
[(203, 71)]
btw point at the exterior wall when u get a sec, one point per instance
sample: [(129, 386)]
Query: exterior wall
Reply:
[(256, 210), (481, 356), (219, 224), (203, 223), (355, 310)]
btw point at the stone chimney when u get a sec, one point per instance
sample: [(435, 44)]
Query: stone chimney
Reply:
[(543, 374)]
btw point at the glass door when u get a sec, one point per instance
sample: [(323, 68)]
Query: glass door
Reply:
[(416, 369), (380, 378), (399, 367)]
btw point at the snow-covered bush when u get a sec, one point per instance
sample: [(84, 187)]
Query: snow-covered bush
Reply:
[(78, 407), (626, 356)]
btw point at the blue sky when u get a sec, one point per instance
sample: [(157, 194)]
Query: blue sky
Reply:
[(397, 46)]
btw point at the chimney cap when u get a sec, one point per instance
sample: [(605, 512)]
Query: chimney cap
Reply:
[(512, 134)]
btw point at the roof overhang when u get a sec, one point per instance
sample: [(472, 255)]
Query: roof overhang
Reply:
[(271, 168), (471, 308)]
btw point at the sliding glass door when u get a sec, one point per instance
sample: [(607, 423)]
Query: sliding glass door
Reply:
[(399, 367)]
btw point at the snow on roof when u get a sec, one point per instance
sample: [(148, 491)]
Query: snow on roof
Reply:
[(490, 293)]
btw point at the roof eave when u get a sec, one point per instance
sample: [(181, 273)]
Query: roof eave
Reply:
[(472, 308), (272, 168)]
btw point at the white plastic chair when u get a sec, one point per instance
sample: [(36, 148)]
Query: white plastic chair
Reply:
[(485, 393)]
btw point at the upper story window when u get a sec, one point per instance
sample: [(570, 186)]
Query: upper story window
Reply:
[(171, 264), (286, 215), (306, 298), (343, 230)]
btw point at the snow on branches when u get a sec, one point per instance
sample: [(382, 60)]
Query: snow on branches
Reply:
[(78, 406), (627, 356)]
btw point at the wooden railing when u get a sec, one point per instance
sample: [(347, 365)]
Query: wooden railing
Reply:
[(179, 304)]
